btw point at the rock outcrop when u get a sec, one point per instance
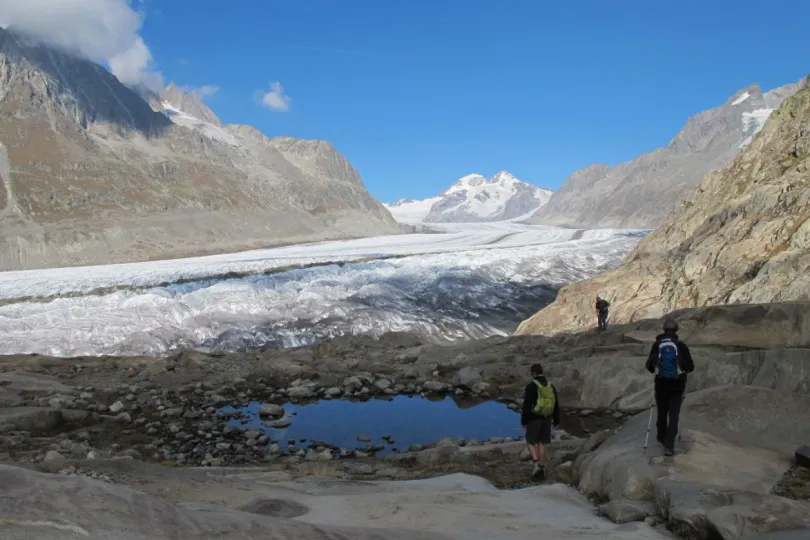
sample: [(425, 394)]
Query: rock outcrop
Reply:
[(641, 192), (743, 236), (53, 507), (97, 176)]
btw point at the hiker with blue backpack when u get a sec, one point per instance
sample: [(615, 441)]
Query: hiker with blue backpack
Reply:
[(670, 361), (541, 412)]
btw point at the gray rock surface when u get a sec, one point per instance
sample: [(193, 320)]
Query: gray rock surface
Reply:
[(743, 236), (641, 192), (733, 452), (625, 511), (92, 174), (37, 506)]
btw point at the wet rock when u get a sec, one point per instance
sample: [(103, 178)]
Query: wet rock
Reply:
[(625, 511), (364, 438), (271, 410), (280, 424), (333, 392)]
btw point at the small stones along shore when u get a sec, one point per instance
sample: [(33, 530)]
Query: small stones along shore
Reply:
[(795, 484), (187, 426)]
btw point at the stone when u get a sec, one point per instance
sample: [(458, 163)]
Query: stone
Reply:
[(271, 410), (382, 384), (625, 511), (280, 424), (53, 455), (468, 376), (364, 438), (116, 407), (301, 392), (435, 386)]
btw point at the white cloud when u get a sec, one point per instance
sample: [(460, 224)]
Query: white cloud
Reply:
[(203, 92), (102, 30), (275, 99)]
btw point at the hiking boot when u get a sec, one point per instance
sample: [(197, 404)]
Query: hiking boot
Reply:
[(538, 471), (669, 452)]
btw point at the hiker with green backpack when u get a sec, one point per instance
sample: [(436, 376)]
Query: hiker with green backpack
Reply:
[(541, 411)]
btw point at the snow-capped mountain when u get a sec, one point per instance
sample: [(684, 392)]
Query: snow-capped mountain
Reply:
[(474, 198)]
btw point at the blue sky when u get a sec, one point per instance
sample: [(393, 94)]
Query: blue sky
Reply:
[(418, 93)]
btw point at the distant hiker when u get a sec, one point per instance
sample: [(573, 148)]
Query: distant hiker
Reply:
[(541, 410), (670, 360), (602, 306)]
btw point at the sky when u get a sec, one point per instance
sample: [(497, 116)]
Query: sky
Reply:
[(417, 93)]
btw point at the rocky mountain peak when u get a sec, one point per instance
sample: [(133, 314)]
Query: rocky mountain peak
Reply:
[(100, 177), (190, 103), (641, 192), (36, 78), (743, 236)]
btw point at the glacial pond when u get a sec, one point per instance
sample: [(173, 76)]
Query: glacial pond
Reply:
[(407, 420)]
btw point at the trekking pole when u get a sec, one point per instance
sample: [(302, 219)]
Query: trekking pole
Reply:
[(649, 423)]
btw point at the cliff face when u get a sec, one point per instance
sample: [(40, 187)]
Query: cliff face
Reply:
[(94, 173), (640, 193), (743, 236)]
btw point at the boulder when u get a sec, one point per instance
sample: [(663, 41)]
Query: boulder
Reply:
[(803, 456), (271, 410), (704, 511), (467, 376), (625, 511)]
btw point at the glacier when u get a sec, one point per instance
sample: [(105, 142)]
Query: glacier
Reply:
[(462, 281)]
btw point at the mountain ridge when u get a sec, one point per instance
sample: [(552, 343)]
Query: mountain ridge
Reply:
[(639, 193), (741, 237), (102, 174), (474, 198)]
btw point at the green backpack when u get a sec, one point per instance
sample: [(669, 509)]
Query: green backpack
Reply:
[(545, 399)]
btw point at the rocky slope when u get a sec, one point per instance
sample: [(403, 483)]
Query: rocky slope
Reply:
[(744, 416), (640, 193), (474, 198), (743, 236), (97, 176)]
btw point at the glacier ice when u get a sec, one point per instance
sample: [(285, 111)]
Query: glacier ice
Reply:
[(464, 282)]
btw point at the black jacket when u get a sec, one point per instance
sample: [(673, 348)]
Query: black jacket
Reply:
[(530, 400), (687, 365), (602, 305)]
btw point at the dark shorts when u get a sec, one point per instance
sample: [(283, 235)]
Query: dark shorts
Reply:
[(539, 431)]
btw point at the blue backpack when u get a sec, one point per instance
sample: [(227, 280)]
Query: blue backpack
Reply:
[(669, 365)]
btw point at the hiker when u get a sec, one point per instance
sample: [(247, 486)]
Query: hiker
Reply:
[(541, 410), (602, 306), (670, 361)]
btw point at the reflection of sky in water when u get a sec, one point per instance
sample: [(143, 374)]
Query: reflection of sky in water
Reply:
[(409, 420)]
